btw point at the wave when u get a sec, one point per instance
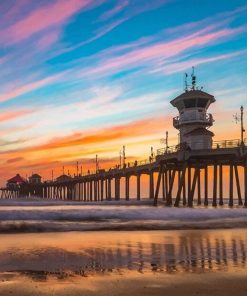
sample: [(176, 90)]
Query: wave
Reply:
[(52, 216), (110, 225)]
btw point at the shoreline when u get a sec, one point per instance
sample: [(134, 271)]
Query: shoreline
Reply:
[(17, 227)]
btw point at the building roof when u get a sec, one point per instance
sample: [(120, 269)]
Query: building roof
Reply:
[(17, 179), (200, 131), (35, 176), (193, 94), (63, 178)]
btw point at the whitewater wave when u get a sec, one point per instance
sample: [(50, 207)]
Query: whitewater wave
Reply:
[(43, 216), (55, 226)]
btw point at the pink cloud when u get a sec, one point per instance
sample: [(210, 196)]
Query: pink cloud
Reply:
[(181, 66), (13, 114), (43, 18), (27, 88), (115, 10), (162, 51), (47, 40)]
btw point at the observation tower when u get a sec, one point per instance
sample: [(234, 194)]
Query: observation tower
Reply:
[(193, 121)]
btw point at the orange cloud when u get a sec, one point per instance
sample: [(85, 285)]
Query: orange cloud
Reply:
[(13, 114), (107, 142)]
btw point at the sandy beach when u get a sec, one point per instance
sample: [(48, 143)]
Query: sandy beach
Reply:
[(188, 262)]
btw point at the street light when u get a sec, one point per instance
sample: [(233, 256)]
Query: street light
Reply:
[(239, 118), (165, 141)]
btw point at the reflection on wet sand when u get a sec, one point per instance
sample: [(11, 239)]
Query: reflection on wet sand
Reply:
[(63, 255)]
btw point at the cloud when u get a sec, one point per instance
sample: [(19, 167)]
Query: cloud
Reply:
[(134, 8), (8, 115), (42, 18), (16, 92), (171, 68), (47, 40), (154, 53), (114, 11), (14, 160), (83, 146), (105, 135), (14, 142)]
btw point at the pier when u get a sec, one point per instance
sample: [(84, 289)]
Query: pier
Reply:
[(197, 171), (187, 169)]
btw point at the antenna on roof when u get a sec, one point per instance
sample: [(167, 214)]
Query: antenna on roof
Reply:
[(185, 81), (193, 79)]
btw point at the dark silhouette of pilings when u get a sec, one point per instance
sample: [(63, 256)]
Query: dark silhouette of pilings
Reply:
[(184, 178)]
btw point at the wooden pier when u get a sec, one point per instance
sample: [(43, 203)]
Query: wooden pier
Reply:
[(197, 171), (182, 179)]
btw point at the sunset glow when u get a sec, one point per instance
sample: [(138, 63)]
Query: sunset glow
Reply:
[(81, 77)]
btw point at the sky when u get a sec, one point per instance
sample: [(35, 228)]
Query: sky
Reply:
[(85, 77)]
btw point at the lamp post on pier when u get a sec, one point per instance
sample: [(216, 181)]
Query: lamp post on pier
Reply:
[(165, 141), (124, 157), (240, 118), (120, 159)]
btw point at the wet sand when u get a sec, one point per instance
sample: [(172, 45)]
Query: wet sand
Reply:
[(218, 284), (188, 262)]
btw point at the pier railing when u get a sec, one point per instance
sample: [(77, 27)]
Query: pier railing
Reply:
[(215, 145), (201, 117), (226, 144)]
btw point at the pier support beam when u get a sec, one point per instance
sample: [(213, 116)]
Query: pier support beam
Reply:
[(230, 203), (171, 182), (189, 182), (127, 187), (245, 184), (102, 189), (90, 190), (117, 188), (184, 189), (193, 187), (85, 191), (199, 201), (158, 185), (215, 183), (163, 186), (95, 190), (181, 184), (109, 189), (240, 202), (221, 202), (151, 184), (138, 186), (206, 186)]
